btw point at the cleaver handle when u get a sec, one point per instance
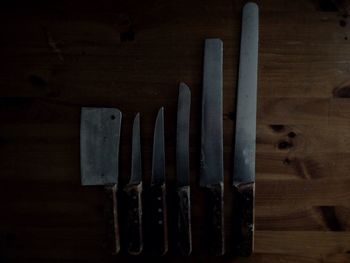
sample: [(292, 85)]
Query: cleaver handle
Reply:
[(244, 199), (134, 204), (184, 220), (216, 206), (112, 219), (158, 219)]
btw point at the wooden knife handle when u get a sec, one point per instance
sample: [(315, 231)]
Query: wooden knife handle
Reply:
[(111, 210), (184, 220), (134, 230), (216, 200), (158, 213), (244, 199)]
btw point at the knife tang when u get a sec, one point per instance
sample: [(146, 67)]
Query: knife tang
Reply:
[(215, 201), (158, 215), (184, 220), (134, 204), (244, 198), (111, 212)]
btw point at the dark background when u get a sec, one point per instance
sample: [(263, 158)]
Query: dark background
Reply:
[(57, 56)]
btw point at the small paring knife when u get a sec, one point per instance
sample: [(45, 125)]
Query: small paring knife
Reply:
[(134, 194), (99, 150), (158, 210)]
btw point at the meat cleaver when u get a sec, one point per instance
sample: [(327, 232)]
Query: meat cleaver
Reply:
[(99, 150)]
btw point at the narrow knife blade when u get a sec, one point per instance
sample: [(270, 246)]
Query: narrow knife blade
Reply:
[(212, 124), (158, 209), (99, 145), (182, 135), (244, 158), (134, 194), (183, 171), (158, 160), (136, 170)]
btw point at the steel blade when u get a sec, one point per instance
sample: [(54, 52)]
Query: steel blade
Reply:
[(182, 135), (244, 160), (158, 161), (212, 124), (99, 145), (136, 167)]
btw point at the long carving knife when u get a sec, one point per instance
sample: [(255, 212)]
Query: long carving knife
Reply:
[(158, 193), (99, 150), (212, 168), (134, 193), (183, 170), (244, 158)]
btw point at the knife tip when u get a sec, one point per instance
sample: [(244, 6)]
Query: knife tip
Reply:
[(184, 88), (160, 117), (136, 121), (251, 6), (213, 42), (160, 111)]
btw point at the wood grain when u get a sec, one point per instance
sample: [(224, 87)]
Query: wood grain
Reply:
[(57, 56)]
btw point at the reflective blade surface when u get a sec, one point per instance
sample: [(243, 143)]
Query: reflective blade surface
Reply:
[(158, 161), (136, 167), (99, 145), (182, 135), (244, 160), (212, 123)]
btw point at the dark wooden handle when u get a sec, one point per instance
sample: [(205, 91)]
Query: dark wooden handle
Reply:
[(244, 202), (159, 231), (184, 220), (216, 200), (111, 208), (134, 231)]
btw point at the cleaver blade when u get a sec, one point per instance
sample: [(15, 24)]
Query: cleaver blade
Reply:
[(99, 145)]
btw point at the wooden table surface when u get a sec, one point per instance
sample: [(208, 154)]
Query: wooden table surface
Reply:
[(57, 56)]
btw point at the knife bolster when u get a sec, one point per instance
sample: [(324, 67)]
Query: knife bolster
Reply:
[(158, 219), (244, 202), (184, 220), (134, 228), (216, 199), (111, 213)]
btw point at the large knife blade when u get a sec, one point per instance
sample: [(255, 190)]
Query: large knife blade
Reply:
[(245, 140), (134, 194), (183, 170), (99, 150), (212, 168), (158, 193)]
